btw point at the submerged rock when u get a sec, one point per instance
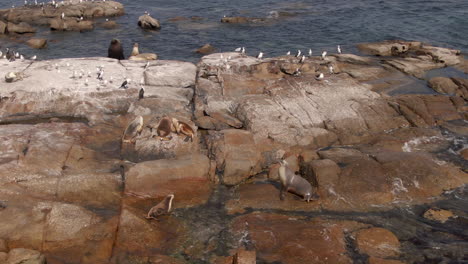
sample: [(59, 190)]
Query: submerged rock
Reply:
[(37, 43)]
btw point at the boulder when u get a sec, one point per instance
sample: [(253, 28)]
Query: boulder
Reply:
[(25, 256), (438, 215), (464, 153), (20, 28), (71, 24), (110, 24), (377, 242), (37, 43), (147, 22), (3, 27), (205, 49), (235, 153)]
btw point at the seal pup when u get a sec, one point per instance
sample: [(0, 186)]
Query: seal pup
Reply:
[(183, 128), (133, 129), (135, 50), (291, 182), (164, 128), (164, 207), (115, 50)]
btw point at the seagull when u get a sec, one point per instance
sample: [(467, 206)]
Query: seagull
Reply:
[(260, 55), (124, 84), (239, 49), (338, 48), (319, 77), (243, 50), (302, 59), (147, 65), (86, 82), (17, 55), (298, 54), (21, 57), (34, 57), (100, 74), (288, 53), (310, 52), (324, 54), (63, 15), (141, 94), (1, 54), (330, 69)]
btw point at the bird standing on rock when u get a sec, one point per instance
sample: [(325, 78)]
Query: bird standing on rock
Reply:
[(124, 85), (338, 48), (324, 54), (141, 94), (260, 55)]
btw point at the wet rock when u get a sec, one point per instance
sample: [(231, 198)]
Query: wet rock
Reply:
[(205, 49), (3, 27), (438, 215), (22, 255), (110, 24), (243, 256), (147, 22), (20, 28), (241, 20), (377, 242), (235, 154), (38, 43), (279, 238), (144, 57), (388, 48), (326, 174), (462, 87)]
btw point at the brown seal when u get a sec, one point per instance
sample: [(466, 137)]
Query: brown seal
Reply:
[(135, 50), (183, 128), (161, 208), (291, 182), (165, 127), (115, 50)]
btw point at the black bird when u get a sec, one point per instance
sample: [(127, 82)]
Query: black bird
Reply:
[(124, 85), (141, 94), (115, 50)]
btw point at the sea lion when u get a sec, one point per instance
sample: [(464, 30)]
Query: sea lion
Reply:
[(115, 50), (161, 208), (132, 130), (135, 50), (165, 127), (184, 128), (291, 182)]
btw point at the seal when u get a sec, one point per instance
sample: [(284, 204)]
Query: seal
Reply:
[(132, 130), (115, 50), (165, 127), (135, 50), (161, 208), (183, 128), (290, 182)]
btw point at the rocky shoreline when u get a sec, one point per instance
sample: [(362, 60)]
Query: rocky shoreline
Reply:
[(73, 191)]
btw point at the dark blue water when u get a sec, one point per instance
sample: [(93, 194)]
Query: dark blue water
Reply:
[(319, 25)]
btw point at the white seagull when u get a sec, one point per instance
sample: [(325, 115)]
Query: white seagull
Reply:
[(298, 54), (319, 77), (260, 55), (330, 69), (310, 52), (324, 54), (338, 48)]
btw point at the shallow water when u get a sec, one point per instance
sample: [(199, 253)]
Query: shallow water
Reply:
[(319, 25)]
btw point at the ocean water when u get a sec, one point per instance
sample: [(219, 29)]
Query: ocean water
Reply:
[(319, 25)]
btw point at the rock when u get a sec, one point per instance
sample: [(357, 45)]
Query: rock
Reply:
[(283, 239), (243, 256), (147, 22), (235, 153), (3, 257), (325, 173), (3, 246), (38, 43), (178, 18), (438, 215), (159, 178), (3, 27), (443, 85), (25, 256), (144, 57), (388, 48), (20, 28), (374, 260), (71, 24), (110, 24), (241, 20), (464, 153), (205, 49), (377, 242), (462, 90)]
